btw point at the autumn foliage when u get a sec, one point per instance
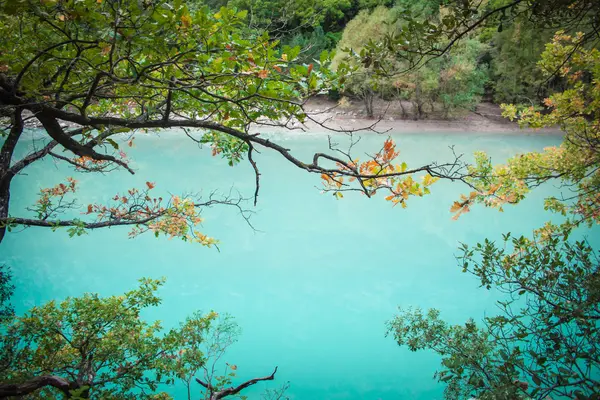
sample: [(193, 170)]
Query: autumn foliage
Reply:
[(379, 174)]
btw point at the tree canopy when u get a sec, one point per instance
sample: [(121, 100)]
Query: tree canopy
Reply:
[(574, 163), (93, 347), (89, 70)]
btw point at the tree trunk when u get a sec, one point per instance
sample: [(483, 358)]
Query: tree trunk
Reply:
[(368, 99), (419, 103), (4, 201), (6, 175), (404, 112)]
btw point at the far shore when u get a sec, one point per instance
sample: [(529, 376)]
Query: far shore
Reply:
[(486, 119)]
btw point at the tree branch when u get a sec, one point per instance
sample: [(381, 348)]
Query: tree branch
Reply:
[(25, 161), (169, 100), (234, 390), (248, 138), (57, 133), (123, 221), (30, 386), (256, 172), (11, 141), (41, 53)]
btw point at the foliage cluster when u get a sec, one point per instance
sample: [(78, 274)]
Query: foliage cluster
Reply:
[(451, 55), (544, 342), (93, 347)]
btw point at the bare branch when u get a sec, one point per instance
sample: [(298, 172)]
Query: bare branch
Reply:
[(256, 173), (216, 395)]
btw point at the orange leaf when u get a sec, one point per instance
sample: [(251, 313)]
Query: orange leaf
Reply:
[(150, 185), (186, 20), (388, 144), (455, 207), (90, 209), (310, 68)]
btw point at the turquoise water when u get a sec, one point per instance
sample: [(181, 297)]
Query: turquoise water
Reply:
[(313, 287)]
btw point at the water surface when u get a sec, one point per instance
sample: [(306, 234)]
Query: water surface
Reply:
[(313, 287)]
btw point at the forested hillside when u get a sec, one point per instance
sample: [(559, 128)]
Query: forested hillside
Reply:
[(495, 61)]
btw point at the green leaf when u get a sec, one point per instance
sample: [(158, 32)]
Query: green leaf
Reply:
[(113, 143)]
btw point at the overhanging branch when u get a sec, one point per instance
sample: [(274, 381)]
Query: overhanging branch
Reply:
[(216, 395), (436, 170), (57, 133), (30, 386)]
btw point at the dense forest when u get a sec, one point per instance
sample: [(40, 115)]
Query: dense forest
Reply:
[(495, 61), (92, 75)]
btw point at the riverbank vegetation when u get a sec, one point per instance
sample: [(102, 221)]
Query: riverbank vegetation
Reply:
[(94, 347), (89, 70), (494, 60)]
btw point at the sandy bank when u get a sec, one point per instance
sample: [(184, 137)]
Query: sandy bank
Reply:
[(486, 118)]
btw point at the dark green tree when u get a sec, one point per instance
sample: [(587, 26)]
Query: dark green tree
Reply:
[(93, 347), (545, 342)]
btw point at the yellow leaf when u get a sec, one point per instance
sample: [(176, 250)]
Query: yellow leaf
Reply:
[(186, 20)]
